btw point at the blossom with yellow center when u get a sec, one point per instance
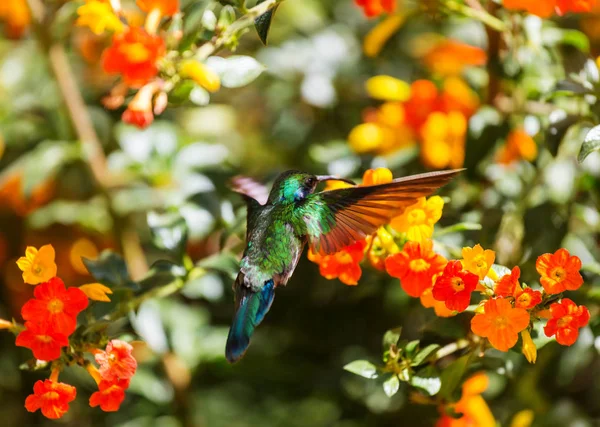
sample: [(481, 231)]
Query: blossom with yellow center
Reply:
[(38, 266), (443, 140), (99, 17), (477, 260), (417, 220)]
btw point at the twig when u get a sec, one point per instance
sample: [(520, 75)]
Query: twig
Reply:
[(479, 14)]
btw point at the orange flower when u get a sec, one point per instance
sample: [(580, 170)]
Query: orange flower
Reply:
[(450, 57), (454, 286), (564, 6), (37, 265), (166, 7), (139, 111), (424, 98), (543, 9), (16, 17), (527, 298), (478, 261), (44, 342), (415, 266), (417, 220), (475, 411), (458, 96), (519, 145), (377, 176), (343, 264), (116, 362), (428, 301), (508, 285), (567, 318), (134, 54), (375, 39), (12, 195), (55, 306), (373, 8), (500, 323), (110, 395), (443, 140), (51, 397), (559, 271)]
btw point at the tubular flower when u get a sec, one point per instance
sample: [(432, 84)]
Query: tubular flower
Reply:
[(472, 406), (110, 395), (477, 260), (417, 220), (381, 33), (96, 291), (519, 145), (567, 318), (55, 306), (51, 397), (116, 362), (373, 8), (443, 140), (454, 286), (139, 111), (415, 266), (559, 271), (134, 54), (44, 342), (387, 88), (508, 285), (450, 57), (201, 74), (527, 298), (500, 323), (99, 17), (343, 264), (529, 348), (37, 265)]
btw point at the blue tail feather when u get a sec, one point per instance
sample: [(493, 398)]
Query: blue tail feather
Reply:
[(252, 308)]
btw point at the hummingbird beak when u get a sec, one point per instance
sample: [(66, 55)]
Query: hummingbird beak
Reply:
[(322, 178)]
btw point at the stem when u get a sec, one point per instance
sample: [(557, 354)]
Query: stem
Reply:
[(480, 15), (448, 349)]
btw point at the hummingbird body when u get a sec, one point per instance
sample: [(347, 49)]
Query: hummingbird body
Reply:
[(280, 224)]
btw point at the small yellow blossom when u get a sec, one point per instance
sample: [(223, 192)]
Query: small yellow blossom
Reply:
[(38, 265), (387, 88), (201, 74), (417, 220), (477, 260), (523, 418), (96, 291), (377, 176), (99, 17), (381, 33), (529, 348), (444, 137), (368, 137)]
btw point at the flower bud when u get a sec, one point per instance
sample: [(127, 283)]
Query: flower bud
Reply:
[(201, 74), (529, 348)]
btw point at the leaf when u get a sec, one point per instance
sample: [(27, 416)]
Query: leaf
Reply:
[(363, 368), (560, 122), (391, 385), (428, 380), (451, 376), (224, 262), (391, 337), (591, 143), (461, 226), (110, 270), (169, 231), (235, 71), (424, 354), (410, 348), (263, 23), (162, 272)]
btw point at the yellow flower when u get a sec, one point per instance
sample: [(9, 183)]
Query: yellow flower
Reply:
[(444, 138), (522, 418), (381, 33), (96, 291), (417, 220), (16, 17), (368, 137), (377, 176), (387, 88), (99, 17), (478, 261), (201, 74), (529, 348), (38, 265)]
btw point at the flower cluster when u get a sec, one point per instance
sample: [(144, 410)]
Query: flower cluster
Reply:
[(137, 54), (50, 321)]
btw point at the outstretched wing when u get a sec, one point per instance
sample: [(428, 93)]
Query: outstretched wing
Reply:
[(249, 188), (337, 218)]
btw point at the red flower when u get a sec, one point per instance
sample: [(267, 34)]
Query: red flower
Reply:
[(44, 342), (415, 266), (373, 8), (133, 54), (116, 362), (527, 298), (51, 397), (576, 6), (343, 264), (55, 306), (508, 285), (140, 118), (110, 395), (566, 320), (559, 271), (454, 286)]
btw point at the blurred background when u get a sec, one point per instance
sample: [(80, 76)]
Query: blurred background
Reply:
[(296, 115)]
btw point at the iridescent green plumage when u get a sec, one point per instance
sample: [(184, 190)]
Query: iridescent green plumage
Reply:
[(280, 224)]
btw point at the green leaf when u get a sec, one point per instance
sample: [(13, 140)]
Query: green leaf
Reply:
[(428, 380), (391, 385), (235, 71), (410, 348), (461, 226), (592, 267), (363, 368), (452, 375), (110, 270), (263, 23), (591, 143), (224, 262), (391, 337), (169, 231), (161, 273), (424, 354)]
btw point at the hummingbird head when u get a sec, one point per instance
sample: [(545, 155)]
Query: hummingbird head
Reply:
[(293, 186)]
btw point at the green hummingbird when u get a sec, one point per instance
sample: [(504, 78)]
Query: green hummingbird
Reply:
[(282, 221)]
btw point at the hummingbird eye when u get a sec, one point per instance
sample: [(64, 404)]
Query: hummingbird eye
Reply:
[(311, 181)]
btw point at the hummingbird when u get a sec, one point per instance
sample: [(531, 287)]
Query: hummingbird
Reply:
[(281, 222)]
